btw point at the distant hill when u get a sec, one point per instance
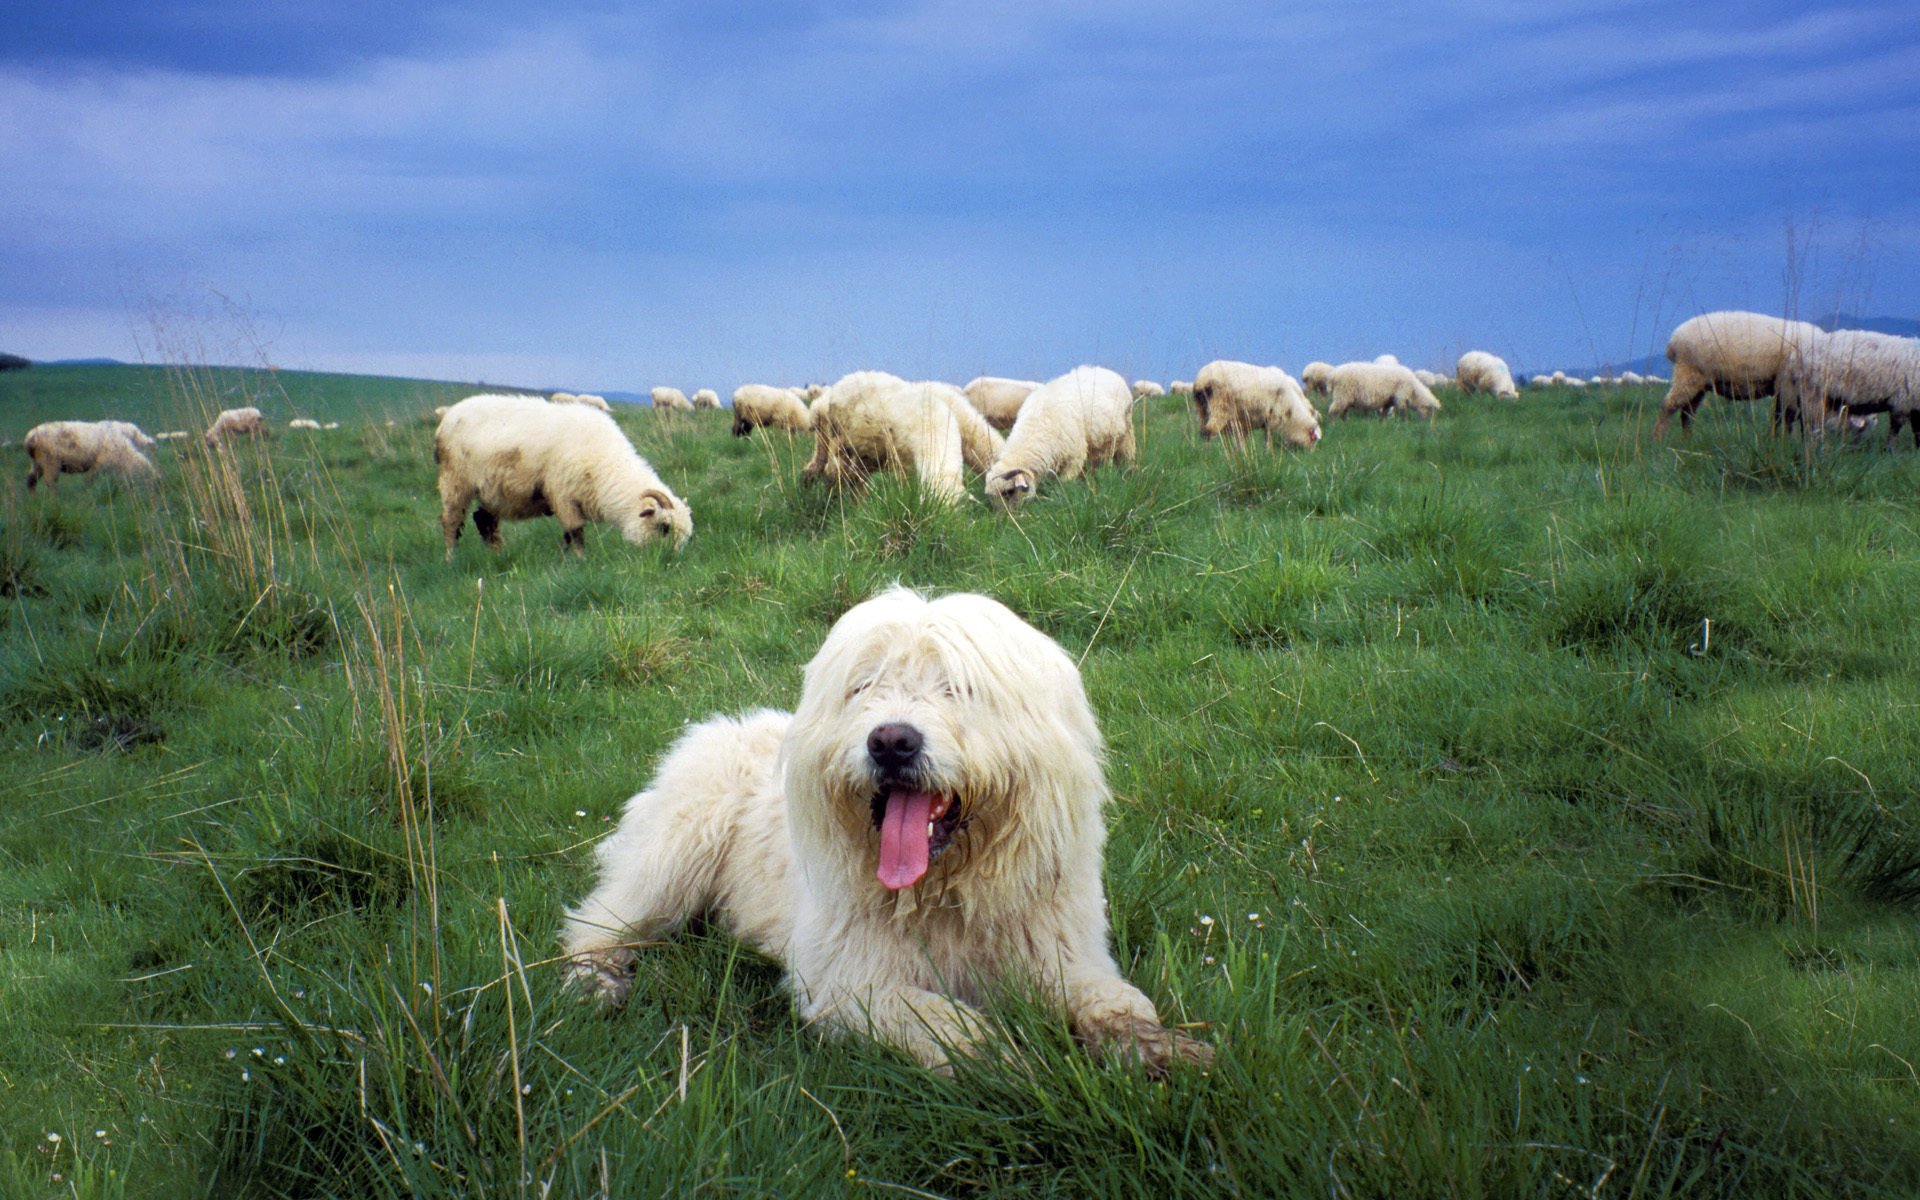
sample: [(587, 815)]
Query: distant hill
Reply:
[(83, 362), (1657, 364)]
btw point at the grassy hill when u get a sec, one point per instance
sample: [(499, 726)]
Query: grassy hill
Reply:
[(160, 398), (1523, 807)]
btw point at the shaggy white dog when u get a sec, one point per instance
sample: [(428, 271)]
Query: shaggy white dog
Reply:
[(925, 830)]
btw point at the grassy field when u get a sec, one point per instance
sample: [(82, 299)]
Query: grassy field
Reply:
[(1523, 807)]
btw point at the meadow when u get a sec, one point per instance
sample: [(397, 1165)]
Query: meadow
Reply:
[(1522, 806)]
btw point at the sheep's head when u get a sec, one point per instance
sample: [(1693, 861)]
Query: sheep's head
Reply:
[(1011, 488), (659, 513)]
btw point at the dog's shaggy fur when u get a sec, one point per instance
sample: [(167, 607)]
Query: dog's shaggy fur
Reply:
[(924, 831)]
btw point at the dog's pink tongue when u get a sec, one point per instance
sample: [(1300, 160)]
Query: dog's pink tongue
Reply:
[(903, 838)]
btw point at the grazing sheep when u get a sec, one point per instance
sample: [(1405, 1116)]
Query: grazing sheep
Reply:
[(1855, 373), (585, 398), (1237, 398), (1180, 387), (1432, 379), (814, 391), (521, 457), (1735, 355), (1386, 360), (303, 423), (248, 421), (1374, 387), (1540, 381), (1632, 378), (171, 435), (1074, 423), (671, 398), (1479, 371), (1575, 384), (1314, 377), (758, 404), (872, 421), (998, 399), (76, 447), (706, 398), (1145, 388)]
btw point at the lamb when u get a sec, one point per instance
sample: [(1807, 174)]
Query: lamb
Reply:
[(248, 421), (671, 398), (1736, 355), (1479, 371), (999, 399), (757, 404), (1857, 372), (303, 423), (706, 398), (1376, 388), (76, 447), (1145, 388), (521, 457), (872, 421), (1076, 422), (1314, 377), (587, 398), (1237, 398)]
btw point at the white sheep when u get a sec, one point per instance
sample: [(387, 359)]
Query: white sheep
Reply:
[(172, 435), (1314, 377), (1575, 384), (758, 404), (706, 398), (331, 425), (1479, 371), (999, 399), (1180, 387), (671, 398), (1237, 398), (1857, 372), (303, 423), (1386, 360), (586, 398), (1735, 355), (1432, 379), (872, 421), (814, 391), (1374, 387), (1632, 378), (1146, 388), (248, 421), (76, 447), (1540, 381), (1069, 425), (521, 457)]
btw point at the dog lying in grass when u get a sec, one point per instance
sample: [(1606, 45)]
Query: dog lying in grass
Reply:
[(922, 832)]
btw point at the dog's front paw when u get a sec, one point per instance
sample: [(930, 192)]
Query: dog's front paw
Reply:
[(602, 977), (1160, 1049)]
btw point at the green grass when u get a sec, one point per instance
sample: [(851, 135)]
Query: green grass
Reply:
[(1571, 778)]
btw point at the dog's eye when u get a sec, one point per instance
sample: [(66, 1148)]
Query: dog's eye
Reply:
[(857, 688)]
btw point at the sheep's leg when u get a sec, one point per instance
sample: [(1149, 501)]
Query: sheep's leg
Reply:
[(33, 475), (1689, 387), (453, 513), (487, 525)]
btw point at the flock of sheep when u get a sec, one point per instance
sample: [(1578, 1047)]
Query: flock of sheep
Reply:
[(514, 457)]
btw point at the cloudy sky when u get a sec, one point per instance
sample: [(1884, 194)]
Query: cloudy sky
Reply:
[(612, 196)]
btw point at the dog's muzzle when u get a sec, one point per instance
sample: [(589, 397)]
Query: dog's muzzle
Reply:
[(916, 823)]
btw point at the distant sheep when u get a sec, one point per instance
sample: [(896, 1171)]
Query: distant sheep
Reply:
[(1540, 381), (1384, 389), (1433, 379), (172, 435), (998, 399), (1146, 388), (331, 425), (303, 423), (1069, 425), (584, 398), (76, 447), (1859, 373), (236, 421), (758, 404), (1315, 376), (875, 422), (706, 398), (520, 457), (1632, 378), (1237, 398), (1181, 387), (671, 398), (1479, 371), (1735, 355)]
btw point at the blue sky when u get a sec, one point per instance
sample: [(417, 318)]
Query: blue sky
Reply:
[(609, 197)]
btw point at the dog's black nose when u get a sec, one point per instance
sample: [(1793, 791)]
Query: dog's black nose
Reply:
[(892, 747)]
